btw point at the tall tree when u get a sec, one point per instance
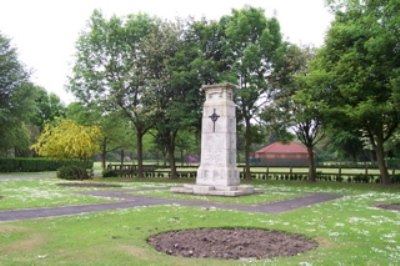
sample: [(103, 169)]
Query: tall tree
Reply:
[(362, 57), (296, 103), (16, 94), (173, 83), (109, 69), (252, 48)]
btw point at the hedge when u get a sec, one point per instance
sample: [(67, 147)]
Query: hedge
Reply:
[(36, 164)]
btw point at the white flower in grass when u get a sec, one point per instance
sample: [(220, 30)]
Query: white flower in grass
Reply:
[(355, 220), (334, 234), (305, 263), (339, 224), (390, 235), (364, 232), (377, 250)]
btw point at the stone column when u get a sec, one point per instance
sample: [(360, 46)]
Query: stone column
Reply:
[(217, 174), (218, 138)]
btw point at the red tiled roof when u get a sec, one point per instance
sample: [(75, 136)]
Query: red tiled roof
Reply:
[(278, 147)]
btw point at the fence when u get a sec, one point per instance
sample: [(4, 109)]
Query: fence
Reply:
[(263, 173)]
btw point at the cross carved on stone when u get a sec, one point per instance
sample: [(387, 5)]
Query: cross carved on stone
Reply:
[(214, 118)]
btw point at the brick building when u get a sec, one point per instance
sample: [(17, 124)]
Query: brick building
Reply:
[(279, 154)]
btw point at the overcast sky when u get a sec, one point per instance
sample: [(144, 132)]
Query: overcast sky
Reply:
[(45, 31)]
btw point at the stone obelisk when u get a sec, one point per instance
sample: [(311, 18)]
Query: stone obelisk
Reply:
[(218, 174), (218, 138)]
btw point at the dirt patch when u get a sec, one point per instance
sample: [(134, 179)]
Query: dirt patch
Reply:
[(86, 185), (1, 197), (392, 206), (238, 243)]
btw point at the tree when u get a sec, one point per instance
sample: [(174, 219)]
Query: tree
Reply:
[(297, 103), (308, 121), (16, 94), (66, 139), (48, 107), (109, 72), (117, 132), (173, 84), (362, 57), (251, 50)]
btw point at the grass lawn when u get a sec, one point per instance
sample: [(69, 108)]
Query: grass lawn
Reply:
[(349, 231), (45, 192)]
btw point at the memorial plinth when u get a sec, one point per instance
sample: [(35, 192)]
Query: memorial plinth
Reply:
[(218, 174)]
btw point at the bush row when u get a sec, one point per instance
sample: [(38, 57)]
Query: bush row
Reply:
[(36, 164)]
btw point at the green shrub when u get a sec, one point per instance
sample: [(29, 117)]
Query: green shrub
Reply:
[(37, 164), (72, 172), (396, 179), (110, 173)]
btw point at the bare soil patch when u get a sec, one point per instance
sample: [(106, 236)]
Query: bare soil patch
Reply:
[(87, 185), (392, 207), (238, 243)]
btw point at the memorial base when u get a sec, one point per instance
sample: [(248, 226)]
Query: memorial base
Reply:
[(210, 190)]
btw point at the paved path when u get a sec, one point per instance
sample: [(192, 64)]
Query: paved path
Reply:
[(131, 201)]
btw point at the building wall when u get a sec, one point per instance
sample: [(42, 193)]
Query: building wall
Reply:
[(281, 155), (283, 159)]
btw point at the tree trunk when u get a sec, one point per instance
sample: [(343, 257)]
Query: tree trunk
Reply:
[(380, 157), (172, 163), (122, 156), (247, 149), (171, 152), (103, 153), (140, 154), (311, 165), (164, 155)]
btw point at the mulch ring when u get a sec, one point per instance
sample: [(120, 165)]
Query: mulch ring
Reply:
[(389, 206), (238, 243), (86, 185)]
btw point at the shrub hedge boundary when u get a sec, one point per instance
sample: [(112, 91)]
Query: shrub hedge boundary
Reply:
[(9, 165)]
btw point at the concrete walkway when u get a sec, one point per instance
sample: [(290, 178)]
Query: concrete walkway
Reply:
[(131, 201)]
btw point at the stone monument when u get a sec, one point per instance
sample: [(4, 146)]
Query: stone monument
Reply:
[(218, 174)]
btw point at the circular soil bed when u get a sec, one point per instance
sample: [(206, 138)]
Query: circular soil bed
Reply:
[(86, 185), (392, 207), (236, 243)]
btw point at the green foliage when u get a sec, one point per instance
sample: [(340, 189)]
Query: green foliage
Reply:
[(16, 97), (361, 59), (48, 107), (36, 164), (68, 140), (73, 172), (110, 173), (110, 69)]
